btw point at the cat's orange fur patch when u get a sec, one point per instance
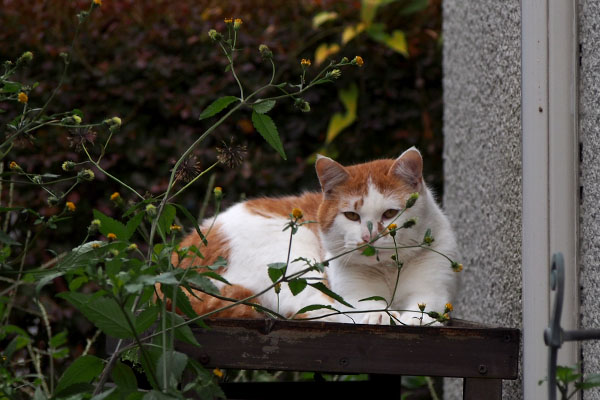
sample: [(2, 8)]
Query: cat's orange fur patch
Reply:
[(283, 206), (217, 245), (203, 303)]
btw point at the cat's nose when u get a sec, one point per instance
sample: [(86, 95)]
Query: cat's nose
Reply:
[(366, 237)]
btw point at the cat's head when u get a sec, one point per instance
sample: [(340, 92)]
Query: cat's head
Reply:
[(361, 201)]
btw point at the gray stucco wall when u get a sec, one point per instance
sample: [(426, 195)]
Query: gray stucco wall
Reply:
[(589, 135), (482, 153)]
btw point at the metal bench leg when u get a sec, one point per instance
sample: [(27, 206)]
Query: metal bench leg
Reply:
[(479, 388)]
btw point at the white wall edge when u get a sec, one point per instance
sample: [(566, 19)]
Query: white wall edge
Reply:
[(535, 241), (550, 171)]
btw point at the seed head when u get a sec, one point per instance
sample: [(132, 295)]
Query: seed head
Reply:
[(422, 306)]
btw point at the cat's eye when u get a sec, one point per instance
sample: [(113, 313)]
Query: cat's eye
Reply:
[(352, 216), (391, 213)]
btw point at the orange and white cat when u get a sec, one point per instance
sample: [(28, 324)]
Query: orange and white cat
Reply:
[(249, 235)]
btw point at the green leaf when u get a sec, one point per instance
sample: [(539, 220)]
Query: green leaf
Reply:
[(124, 377), (110, 225), (414, 6), (59, 339), (103, 312), (324, 289), (321, 17), (182, 301), (146, 318), (83, 370), (374, 298), (275, 274), (278, 265), (202, 282), (369, 251), (175, 364), (133, 223), (297, 285), (397, 42), (589, 382), (314, 307), (184, 332), (339, 121), (217, 106), (11, 87), (264, 106), (215, 276), (193, 220), (266, 127), (166, 218)]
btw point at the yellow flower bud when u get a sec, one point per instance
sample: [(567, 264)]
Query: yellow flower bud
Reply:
[(70, 206), (23, 98), (297, 213), (111, 237)]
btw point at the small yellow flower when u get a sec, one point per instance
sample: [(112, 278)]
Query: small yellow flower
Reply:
[(175, 228), (218, 372), (456, 267), (228, 20), (358, 61), (448, 308), (111, 236), (95, 245), (115, 196), (132, 247), (70, 206), (98, 2), (14, 166), (422, 306), (305, 62), (68, 165), (297, 213), (277, 287), (23, 98), (237, 23), (151, 210), (218, 192), (392, 227)]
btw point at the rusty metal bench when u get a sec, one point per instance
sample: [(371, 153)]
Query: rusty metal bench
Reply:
[(483, 356)]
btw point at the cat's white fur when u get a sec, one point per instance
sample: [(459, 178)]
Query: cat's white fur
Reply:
[(426, 277)]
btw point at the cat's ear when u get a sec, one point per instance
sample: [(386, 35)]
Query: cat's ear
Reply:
[(409, 168), (330, 173)]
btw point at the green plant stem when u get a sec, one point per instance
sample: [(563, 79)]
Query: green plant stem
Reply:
[(51, 350), (17, 283), (399, 268), (38, 368), (109, 175), (173, 172), (139, 343)]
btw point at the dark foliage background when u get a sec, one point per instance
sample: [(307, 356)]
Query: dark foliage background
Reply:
[(153, 64)]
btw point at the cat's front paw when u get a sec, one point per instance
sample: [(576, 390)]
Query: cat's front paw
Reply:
[(381, 318), (416, 319)]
